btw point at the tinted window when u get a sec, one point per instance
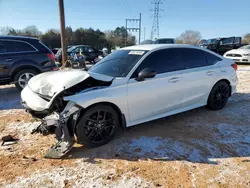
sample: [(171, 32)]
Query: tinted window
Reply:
[(84, 49), (193, 58), (118, 63), (76, 50), (164, 41), (162, 61), (237, 40), (210, 41), (228, 40), (2, 47), (211, 59), (14, 46), (91, 50)]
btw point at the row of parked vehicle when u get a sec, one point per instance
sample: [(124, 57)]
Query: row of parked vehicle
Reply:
[(21, 58), (89, 52), (230, 47)]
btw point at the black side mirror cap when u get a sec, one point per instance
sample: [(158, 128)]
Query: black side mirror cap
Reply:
[(146, 73)]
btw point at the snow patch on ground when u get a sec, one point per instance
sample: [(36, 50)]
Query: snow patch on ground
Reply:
[(84, 175), (225, 140)]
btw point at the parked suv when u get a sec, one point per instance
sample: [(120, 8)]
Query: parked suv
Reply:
[(22, 58), (222, 45), (89, 52)]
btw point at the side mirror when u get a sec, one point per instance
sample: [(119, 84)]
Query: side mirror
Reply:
[(146, 73)]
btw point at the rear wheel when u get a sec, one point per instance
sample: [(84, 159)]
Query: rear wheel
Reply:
[(97, 126), (219, 96), (22, 77)]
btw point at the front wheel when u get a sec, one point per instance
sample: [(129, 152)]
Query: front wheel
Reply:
[(22, 78), (219, 96), (97, 126)]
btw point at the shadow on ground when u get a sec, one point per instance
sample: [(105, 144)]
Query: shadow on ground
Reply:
[(199, 136), (10, 98)]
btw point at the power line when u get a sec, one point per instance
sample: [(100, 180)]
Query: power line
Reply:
[(155, 32), (131, 10)]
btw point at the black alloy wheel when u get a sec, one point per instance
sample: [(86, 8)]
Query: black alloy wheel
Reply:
[(219, 96), (97, 126)]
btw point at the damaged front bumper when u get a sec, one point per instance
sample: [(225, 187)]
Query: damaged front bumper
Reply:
[(65, 123), (63, 126)]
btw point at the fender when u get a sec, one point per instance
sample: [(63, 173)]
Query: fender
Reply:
[(116, 95), (24, 64)]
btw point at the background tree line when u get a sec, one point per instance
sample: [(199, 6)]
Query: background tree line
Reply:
[(95, 38), (194, 37)]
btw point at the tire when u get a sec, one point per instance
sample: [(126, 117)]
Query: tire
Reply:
[(24, 75), (97, 126), (219, 96)]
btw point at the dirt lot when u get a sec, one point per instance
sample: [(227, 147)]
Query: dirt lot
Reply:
[(200, 148)]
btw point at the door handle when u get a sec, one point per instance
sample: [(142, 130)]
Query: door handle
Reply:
[(8, 59), (174, 79), (209, 73)]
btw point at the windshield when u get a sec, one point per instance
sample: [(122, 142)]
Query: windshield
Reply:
[(147, 42), (118, 63), (245, 47), (210, 41), (71, 48)]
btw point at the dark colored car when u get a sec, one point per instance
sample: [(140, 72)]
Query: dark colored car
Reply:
[(89, 52), (222, 45), (165, 41), (159, 41), (22, 58)]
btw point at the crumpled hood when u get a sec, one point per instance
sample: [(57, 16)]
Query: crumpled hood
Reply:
[(50, 83), (239, 51)]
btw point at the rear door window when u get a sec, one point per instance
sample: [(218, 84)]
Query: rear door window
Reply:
[(16, 46), (3, 48), (211, 59), (193, 58)]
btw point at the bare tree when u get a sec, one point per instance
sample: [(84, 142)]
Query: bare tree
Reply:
[(246, 39), (5, 30), (179, 41), (31, 31), (189, 37)]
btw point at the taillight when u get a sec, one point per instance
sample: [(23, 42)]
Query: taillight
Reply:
[(51, 56), (235, 66), (55, 69)]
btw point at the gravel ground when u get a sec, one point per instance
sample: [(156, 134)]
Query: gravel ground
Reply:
[(199, 148)]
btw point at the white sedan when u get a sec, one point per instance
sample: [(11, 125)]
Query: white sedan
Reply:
[(240, 55), (128, 87)]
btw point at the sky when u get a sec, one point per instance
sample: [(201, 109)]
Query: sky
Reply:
[(213, 18)]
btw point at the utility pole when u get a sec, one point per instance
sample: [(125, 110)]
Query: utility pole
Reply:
[(144, 33), (63, 31), (133, 28), (126, 32), (155, 33), (140, 30)]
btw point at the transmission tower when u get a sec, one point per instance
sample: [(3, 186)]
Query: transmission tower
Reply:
[(155, 27)]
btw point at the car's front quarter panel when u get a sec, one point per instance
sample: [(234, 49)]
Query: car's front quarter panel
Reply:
[(115, 94)]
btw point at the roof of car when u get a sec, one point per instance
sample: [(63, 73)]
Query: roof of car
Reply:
[(17, 37), (150, 47), (79, 45)]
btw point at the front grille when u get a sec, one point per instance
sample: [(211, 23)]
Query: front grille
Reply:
[(234, 55)]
